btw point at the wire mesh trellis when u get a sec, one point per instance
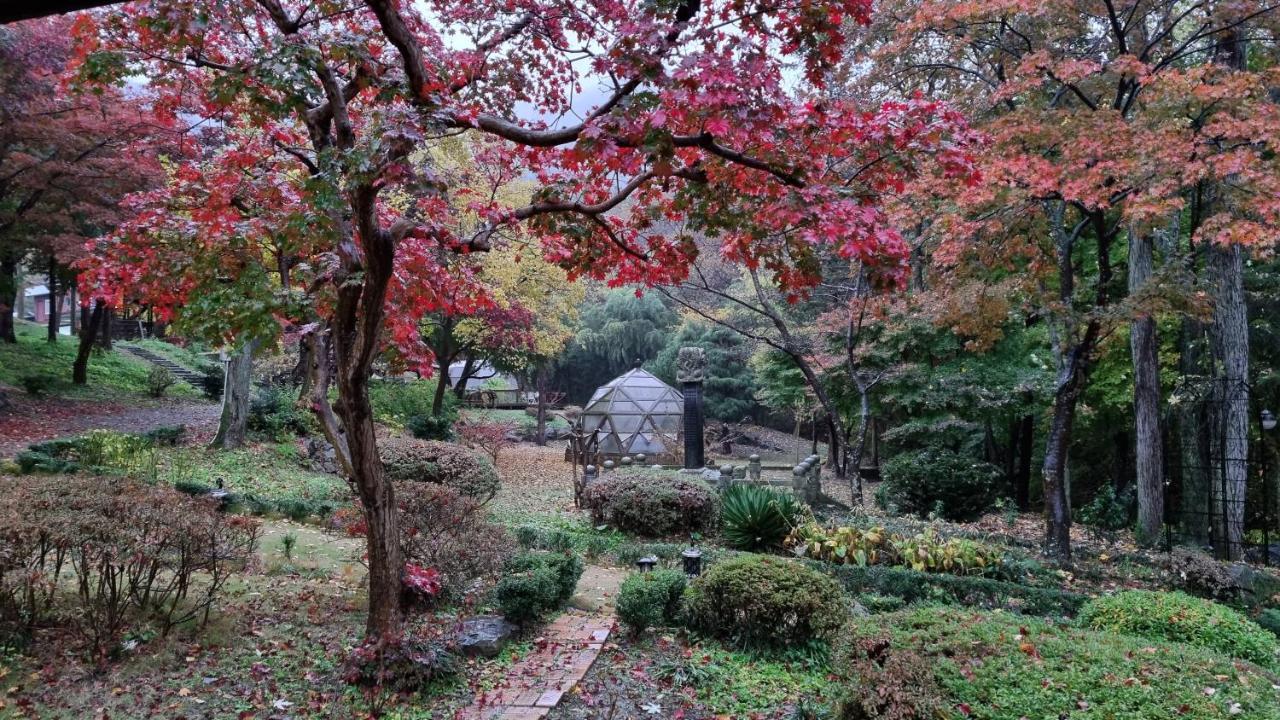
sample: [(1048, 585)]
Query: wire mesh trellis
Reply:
[(1220, 490)]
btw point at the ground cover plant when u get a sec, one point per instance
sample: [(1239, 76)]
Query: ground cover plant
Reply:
[(935, 661), (1179, 617), (758, 518)]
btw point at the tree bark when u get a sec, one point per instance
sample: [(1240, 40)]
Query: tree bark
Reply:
[(442, 383), (55, 307), (1056, 507), (71, 309), (543, 381), (1022, 480), (88, 334), (237, 387), (8, 296), (1230, 343), (104, 332), (1144, 346)]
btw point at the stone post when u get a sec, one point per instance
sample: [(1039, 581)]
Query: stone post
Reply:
[(753, 467), (589, 475), (739, 472), (691, 370), (799, 477)]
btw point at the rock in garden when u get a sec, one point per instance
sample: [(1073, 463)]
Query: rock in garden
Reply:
[(484, 635)]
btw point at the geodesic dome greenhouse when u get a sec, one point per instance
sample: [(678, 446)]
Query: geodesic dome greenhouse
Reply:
[(635, 413)]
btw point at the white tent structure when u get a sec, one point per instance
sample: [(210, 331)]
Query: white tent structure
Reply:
[(635, 413)]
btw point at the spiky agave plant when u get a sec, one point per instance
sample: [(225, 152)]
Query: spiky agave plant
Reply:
[(758, 518)]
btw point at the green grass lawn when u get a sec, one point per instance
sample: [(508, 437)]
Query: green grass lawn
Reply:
[(112, 375), (271, 471)]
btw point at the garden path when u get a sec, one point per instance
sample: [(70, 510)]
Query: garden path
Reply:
[(561, 656), (32, 420)]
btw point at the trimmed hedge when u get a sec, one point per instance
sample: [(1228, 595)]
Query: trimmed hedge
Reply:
[(1182, 618), (652, 504), (536, 583), (764, 603), (651, 599)]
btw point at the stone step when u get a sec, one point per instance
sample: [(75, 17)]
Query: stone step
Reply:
[(187, 375)]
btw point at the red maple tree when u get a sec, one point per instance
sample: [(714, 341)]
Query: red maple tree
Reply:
[(327, 103)]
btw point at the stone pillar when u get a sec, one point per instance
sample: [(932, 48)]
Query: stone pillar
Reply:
[(753, 467), (740, 472), (691, 369)]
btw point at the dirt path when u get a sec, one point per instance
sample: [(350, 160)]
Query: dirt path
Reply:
[(35, 419)]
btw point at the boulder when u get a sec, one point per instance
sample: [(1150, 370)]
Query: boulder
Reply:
[(484, 635)]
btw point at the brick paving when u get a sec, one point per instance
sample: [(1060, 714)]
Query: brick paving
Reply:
[(562, 655)]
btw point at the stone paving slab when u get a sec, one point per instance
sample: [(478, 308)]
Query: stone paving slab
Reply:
[(562, 655)]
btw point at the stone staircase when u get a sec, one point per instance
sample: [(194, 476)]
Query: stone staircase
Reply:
[(184, 374)]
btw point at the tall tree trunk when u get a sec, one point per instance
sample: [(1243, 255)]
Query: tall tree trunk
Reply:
[(71, 309), (442, 383), (1148, 448), (1230, 342), (55, 307), (90, 327), (1056, 508), (104, 332), (8, 295), (469, 370), (1193, 439), (1026, 445), (237, 386), (543, 381)]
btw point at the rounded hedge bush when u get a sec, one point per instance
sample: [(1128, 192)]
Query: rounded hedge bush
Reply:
[(652, 504), (536, 583), (1182, 618), (650, 599), (933, 662), (464, 470), (922, 481), (764, 603)]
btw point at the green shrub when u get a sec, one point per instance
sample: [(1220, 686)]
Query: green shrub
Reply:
[(1182, 618), (758, 518), (535, 583), (764, 603), (923, 587), (650, 599), (431, 427), (159, 380), (212, 380), (651, 503), (930, 663), (464, 470), (920, 482), (395, 401), (274, 413), (1108, 511), (1270, 619), (38, 385), (167, 435)]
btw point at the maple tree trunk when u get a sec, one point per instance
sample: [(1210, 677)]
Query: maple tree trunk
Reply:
[(88, 334), (1069, 385), (8, 296), (442, 384), (1229, 338), (1144, 345), (55, 307), (237, 386)]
